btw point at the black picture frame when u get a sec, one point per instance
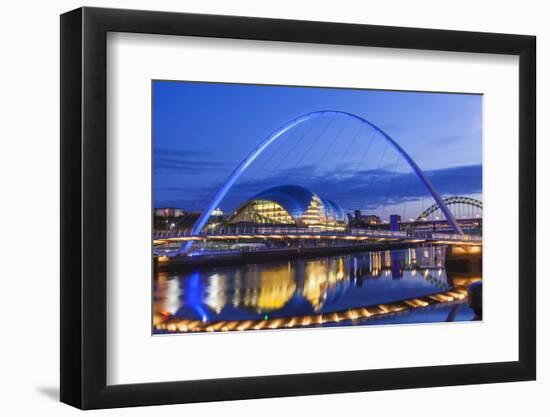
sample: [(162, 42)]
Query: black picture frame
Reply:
[(84, 207)]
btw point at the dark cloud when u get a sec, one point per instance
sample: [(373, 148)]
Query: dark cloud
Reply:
[(368, 189), (181, 161), (365, 189)]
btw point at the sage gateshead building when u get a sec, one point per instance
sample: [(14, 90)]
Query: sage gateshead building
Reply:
[(290, 205)]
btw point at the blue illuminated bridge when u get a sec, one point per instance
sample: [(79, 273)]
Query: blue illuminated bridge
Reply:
[(440, 211)]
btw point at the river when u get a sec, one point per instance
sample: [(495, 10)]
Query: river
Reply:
[(367, 288)]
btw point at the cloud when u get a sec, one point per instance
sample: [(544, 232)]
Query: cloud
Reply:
[(369, 189), (365, 189), (181, 161)]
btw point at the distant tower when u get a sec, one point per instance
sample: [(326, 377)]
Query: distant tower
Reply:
[(395, 220)]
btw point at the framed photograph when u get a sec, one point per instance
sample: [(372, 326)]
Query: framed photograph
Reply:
[(258, 208)]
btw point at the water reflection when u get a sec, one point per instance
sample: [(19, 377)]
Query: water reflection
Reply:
[(302, 287)]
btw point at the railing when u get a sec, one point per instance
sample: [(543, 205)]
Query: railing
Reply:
[(309, 231), (251, 230), (168, 234), (375, 232), (450, 236)]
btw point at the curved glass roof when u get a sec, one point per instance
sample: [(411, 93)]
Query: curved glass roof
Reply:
[(296, 200), (293, 198), (334, 210)]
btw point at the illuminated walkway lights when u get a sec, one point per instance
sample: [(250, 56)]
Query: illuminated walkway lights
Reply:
[(175, 325)]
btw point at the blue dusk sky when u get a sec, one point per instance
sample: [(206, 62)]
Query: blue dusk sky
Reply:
[(202, 131)]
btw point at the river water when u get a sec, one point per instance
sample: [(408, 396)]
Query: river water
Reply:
[(316, 287)]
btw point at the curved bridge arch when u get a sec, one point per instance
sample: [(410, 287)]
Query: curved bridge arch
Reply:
[(449, 202), (205, 215)]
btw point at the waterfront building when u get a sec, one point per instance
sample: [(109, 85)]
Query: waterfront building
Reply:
[(395, 222), (218, 212), (169, 212), (290, 205), (169, 218), (363, 220)]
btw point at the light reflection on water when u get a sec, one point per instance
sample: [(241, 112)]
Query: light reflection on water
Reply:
[(302, 286)]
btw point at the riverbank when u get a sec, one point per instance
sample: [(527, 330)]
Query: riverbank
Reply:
[(458, 258), (184, 263)]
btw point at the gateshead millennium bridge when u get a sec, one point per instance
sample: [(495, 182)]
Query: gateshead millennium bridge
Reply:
[(413, 234), (291, 257)]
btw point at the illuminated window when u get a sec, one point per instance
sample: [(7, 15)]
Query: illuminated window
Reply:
[(262, 212)]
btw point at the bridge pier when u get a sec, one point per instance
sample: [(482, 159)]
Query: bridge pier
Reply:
[(462, 259)]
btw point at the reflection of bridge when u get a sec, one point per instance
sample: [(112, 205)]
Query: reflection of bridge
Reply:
[(197, 232), (311, 293)]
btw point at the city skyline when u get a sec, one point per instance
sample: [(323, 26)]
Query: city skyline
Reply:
[(202, 131)]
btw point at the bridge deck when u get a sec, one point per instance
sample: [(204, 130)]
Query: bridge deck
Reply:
[(309, 233)]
